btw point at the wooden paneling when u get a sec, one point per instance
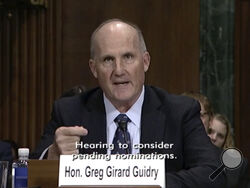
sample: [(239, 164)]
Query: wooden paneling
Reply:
[(170, 28), (242, 76), (29, 56)]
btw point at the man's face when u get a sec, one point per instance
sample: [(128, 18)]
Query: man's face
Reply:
[(119, 63), (217, 132)]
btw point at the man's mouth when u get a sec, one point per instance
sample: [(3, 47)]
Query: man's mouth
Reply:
[(121, 83)]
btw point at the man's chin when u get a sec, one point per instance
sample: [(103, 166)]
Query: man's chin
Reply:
[(123, 98)]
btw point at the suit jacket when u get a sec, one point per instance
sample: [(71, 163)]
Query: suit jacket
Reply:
[(238, 177), (5, 152), (6, 155), (165, 117)]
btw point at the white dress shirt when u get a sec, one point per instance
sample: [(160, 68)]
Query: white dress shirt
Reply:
[(134, 127)]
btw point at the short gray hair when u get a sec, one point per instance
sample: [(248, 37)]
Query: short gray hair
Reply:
[(139, 33)]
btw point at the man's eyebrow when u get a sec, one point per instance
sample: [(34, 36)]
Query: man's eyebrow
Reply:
[(106, 56), (128, 53)]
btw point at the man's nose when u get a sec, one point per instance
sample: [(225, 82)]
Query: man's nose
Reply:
[(118, 68)]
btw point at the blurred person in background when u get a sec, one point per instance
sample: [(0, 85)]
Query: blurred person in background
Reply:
[(5, 152), (6, 155), (221, 136), (206, 112), (220, 132), (76, 90), (14, 148)]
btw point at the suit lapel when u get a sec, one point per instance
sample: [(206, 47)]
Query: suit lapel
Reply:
[(153, 120), (95, 121)]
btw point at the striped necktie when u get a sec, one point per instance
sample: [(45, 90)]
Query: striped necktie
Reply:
[(122, 137)]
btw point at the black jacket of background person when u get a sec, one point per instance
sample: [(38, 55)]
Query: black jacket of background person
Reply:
[(5, 152), (6, 155), (238, 178), (165, 117)]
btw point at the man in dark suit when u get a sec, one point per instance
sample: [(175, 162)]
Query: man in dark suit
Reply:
[(119, 60)]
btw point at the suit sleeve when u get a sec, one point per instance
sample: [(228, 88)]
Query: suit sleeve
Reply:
[(48, 135), (201, 157)]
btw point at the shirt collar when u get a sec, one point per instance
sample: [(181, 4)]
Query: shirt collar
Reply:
[(134, 113)]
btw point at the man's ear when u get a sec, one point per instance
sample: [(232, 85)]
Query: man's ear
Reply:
[(92, 66), (146, 61)]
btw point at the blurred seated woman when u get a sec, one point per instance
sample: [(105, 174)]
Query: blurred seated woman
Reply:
[(207, 111), (219, 132)]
